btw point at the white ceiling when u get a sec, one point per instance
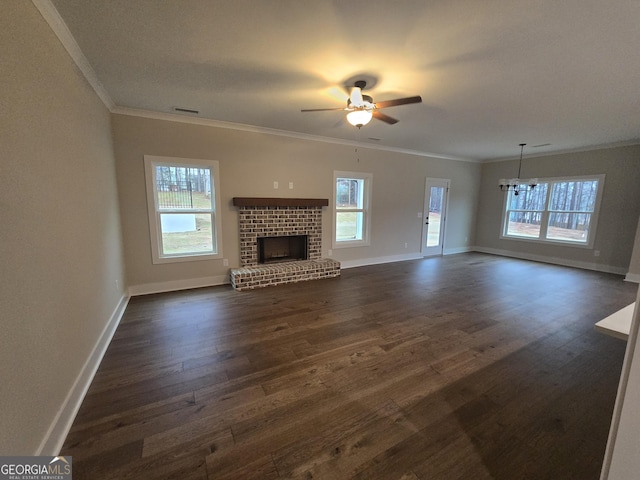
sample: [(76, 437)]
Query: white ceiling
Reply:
[(491, 73)]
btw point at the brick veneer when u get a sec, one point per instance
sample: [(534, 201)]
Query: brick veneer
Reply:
[(277, 221), (273, 221)]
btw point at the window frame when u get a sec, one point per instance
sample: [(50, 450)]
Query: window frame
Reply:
[(545, 213), (155, 227), (367, 179)]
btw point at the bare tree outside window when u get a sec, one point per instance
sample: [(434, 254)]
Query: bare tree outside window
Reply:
[(556, 210)]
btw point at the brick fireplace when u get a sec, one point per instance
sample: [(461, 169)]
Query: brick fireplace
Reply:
[(261, 218)]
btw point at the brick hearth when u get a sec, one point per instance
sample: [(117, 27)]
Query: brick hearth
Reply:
[(247, 278)]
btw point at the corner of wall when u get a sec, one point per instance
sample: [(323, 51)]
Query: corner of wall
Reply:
[(59, 428)]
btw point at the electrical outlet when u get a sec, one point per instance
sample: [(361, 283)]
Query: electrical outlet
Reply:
[(420, 215), (406, 245), (290, 185), (596, 253), (225, 262), (329, 252), (275, 185)]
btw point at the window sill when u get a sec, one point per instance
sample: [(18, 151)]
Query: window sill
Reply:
[(547, 242), (349, 244), (186, 258)]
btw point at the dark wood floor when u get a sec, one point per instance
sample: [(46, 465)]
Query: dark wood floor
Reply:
[(468, 366)]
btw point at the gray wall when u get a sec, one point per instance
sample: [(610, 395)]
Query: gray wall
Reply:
[(60, 242), (249, 164), (618, 215)]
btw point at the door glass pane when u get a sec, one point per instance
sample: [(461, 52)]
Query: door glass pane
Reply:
[(436, 196)]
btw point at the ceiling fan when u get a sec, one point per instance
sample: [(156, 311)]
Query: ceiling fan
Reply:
[(361, 107)]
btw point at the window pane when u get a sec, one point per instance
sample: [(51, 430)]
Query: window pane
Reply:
[(574, 196), (571, 227), (349, 226), (524, 224), (529, 199), (186, 233), (183, 187), (349, 193)]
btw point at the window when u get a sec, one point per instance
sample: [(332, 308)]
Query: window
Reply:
[(351, 212), (557, 210), (182, 198)]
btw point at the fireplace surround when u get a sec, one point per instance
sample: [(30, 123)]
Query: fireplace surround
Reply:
[(260, 218)]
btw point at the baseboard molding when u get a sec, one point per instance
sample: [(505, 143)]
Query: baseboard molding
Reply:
[(54, 439), (454, 251), (378, 260), (632, 277), (598, 267), (174, 285)]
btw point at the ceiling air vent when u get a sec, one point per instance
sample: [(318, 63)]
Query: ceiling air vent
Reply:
[(186, 110), (541, 145)]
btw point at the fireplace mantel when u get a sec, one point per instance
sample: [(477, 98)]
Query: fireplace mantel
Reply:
[(280, 202)]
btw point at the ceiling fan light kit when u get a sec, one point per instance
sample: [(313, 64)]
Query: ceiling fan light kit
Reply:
[(361, 108), (359, 118)]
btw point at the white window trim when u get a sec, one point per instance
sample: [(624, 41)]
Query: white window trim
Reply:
[(155, 233), (593, 224), (366, 207)]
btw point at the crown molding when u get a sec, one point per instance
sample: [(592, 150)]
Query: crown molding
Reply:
[(59, 27), (174, 117), (587, 148)]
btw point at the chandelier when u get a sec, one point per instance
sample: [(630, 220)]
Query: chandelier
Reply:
[(516, 185)]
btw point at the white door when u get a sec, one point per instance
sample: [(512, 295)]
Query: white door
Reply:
[(436, 196)]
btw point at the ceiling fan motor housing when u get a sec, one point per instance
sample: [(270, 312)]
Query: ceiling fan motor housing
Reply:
[(365, 99)]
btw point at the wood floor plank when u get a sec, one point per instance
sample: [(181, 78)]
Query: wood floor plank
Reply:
[(464, 366)]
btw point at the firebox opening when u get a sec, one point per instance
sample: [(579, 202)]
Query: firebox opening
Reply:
[(282, 249)]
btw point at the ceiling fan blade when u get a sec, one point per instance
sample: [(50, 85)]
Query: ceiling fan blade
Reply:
[(384, 118), (398, 101), (321, 109)]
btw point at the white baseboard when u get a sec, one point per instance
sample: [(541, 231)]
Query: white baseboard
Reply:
[(54, 439), (174, 285), (632, 277), (453, 251), (598, 267), (378, 260)]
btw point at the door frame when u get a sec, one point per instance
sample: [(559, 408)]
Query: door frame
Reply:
[(434, 182)]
